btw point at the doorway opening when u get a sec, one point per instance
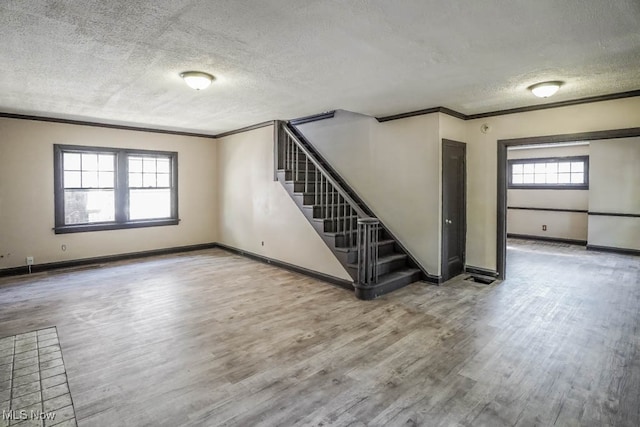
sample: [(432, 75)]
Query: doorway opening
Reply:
[(610, 157)]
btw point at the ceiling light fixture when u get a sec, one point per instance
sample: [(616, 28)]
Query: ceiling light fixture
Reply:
[(545, 89), (197, 79)]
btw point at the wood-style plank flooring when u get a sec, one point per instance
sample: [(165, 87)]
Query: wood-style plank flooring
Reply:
[(210, 338)]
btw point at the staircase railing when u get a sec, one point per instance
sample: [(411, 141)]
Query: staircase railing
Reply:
[(334, 202), (368, 229)]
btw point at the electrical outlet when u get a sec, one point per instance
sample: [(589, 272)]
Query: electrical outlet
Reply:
[(29, 260), (544, 228)]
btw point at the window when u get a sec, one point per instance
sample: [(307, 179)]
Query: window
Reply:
[(107, 188), (550, 173)]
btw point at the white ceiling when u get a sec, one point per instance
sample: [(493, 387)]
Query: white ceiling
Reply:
[(118, 61)]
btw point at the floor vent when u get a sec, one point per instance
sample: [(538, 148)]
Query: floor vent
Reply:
[(485, 280)]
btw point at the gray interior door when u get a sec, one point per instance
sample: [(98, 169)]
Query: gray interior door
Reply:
[(454, 206)]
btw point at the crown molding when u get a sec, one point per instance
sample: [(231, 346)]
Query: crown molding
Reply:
[(312, 118), (456, 114), (245, 129), (328, 115), (101, 125)]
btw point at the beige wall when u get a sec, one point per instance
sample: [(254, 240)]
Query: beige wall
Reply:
[(253, 208), (560, 225), (395, 168), (27, 203), (615, 188), (563, 225), (482, 158), (452, 128)]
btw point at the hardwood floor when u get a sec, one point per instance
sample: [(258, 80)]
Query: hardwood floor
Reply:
[(210, 338)]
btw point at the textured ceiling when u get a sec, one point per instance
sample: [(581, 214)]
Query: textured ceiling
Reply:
[(118, 61)]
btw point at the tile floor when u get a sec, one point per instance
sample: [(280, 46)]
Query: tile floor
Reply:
[(33, 382)]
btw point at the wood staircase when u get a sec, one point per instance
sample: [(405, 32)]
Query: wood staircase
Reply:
[(373, 257)]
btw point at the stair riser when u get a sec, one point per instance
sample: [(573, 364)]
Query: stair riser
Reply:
[(290, 175), (387, 267), (364, 293), (385, 249), (312, 199), (292, 156), (332, 226), (343, 241), (392, 266), (320, 212), (310, 187), (301, 187), (348, 240)]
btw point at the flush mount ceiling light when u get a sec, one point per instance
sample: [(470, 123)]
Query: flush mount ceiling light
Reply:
[(197, 79), (545, 89)]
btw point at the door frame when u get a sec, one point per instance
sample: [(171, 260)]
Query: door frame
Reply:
[(503, 144), (444, 264)]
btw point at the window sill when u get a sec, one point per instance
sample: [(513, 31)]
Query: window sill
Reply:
[(547, 187), (81, 228)]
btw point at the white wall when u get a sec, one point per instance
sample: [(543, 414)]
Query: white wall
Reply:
[(253, 208), (395, 168), (615, 188), (482, 158), (27, 201), (563, 225)]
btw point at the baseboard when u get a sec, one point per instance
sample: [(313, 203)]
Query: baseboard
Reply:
[(624, 251), (480, 271), (432, 279), (548, 239), (314, 274), (38, 268)]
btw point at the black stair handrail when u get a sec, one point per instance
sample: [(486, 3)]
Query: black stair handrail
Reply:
[(325, 174), (327, 167)]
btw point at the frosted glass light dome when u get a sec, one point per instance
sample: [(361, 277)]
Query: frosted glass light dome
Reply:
[(545, 89), (197, 79)]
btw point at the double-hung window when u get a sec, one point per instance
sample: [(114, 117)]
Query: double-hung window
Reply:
[(109, 188), (550, 173)]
